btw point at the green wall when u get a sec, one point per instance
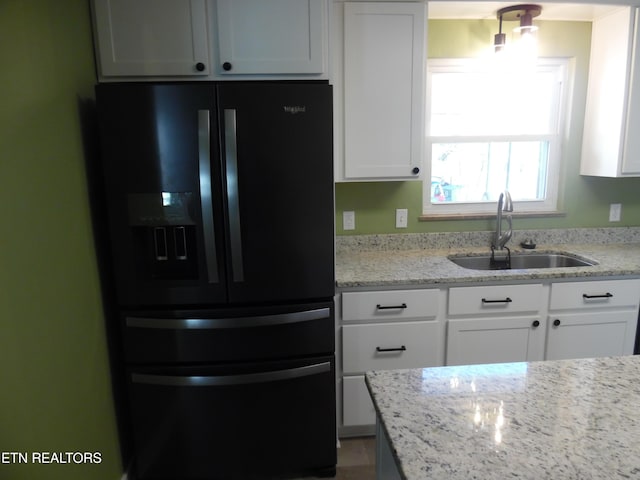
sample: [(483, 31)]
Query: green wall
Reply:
[(55, 393), (584, 200)]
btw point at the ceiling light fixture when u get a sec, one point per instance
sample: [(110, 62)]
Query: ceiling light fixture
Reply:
[(500, 39), (522, 13)]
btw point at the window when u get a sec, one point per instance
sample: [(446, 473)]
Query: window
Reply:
[(491, 129)]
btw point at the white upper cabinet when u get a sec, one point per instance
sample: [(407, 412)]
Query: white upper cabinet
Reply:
[(611, 144), (211, 39), (381, 69), (271, 37), (151, 38)]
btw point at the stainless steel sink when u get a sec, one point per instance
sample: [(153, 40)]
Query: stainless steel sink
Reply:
[(521, 261)]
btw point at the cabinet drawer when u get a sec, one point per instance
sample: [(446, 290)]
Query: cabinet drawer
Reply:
[(393, 304), (598, 294), (495, 299), (389, 346), (357, 407)]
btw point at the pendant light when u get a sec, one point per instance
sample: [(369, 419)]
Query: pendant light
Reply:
[(500, 39), (524, 14)]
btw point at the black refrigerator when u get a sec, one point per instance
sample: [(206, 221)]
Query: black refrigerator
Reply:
[(219, 200)]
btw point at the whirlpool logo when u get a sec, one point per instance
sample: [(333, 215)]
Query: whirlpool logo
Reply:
[(294, 109)]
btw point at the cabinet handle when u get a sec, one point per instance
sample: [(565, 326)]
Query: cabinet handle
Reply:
[(536, 323), (604, 295), (415, 170), (200, 66), (397, 349), (226, 66), (556, 323), (390, 307), (506, 300)]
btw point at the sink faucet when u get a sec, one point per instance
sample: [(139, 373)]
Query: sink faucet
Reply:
[(504, 204)]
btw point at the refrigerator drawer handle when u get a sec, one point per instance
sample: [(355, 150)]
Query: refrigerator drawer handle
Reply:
[(206, 203), (224, 380), (233, 198), (220, 323)]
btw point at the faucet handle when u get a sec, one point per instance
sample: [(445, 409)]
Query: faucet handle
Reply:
[(508, 203)]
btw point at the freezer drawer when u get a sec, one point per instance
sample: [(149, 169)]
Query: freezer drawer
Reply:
[(229, 335), (236, 421)]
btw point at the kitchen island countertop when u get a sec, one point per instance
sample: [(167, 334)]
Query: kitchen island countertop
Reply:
[(561, 420)]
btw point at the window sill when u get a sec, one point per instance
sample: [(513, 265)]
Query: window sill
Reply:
[(484, 216)]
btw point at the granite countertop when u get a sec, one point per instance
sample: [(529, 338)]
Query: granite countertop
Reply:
[(412, 260), (561, 420)]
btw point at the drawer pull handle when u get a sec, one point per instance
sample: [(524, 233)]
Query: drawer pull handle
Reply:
[(505, 300), (397, 349), (390, 307), (605, 295)]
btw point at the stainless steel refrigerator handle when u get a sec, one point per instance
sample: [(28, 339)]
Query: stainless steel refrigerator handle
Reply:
[(223, 380), (220, 323), (206, 202), (233, 199)]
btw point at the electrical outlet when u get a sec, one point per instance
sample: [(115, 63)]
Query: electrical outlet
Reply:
[(349, 220), (615, 212), (401, 217)]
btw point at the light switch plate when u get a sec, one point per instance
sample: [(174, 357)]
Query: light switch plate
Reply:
[(349, 220), (401, 217)]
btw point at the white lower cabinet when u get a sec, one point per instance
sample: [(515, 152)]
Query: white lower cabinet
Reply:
[(381, 331), (495, 340), (516, 323), (592, 319), (357, 407), (384, 346), (496, 300), (582, 335), (484, 324), (497, 323)]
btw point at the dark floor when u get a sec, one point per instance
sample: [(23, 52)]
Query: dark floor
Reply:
[(356, 459)]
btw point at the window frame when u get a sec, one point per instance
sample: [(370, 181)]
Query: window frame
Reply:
[(561, 67)]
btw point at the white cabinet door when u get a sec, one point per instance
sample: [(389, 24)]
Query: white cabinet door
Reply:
[(582, 335), (357, 407), (611, 146), (495, 340), (271, 37), (151, 37), (384, 62), (631, 155)]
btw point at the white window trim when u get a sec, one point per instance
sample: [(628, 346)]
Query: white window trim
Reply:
[(556, 143)]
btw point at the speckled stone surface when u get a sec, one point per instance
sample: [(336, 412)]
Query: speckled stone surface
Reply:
[(560, 420), (421, 259)]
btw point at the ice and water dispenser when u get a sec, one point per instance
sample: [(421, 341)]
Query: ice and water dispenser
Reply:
[(165, 241)]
